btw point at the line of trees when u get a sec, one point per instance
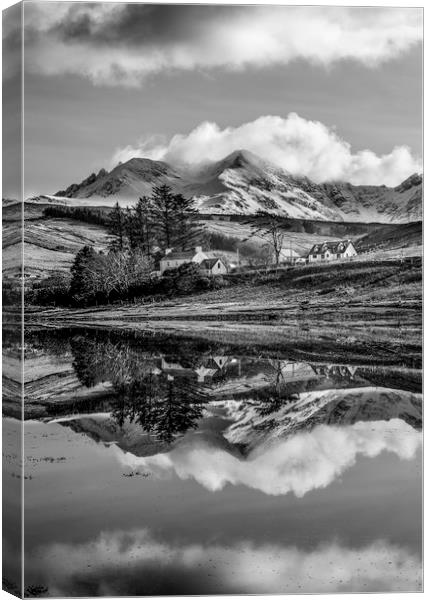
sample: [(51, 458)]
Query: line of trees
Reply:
[(103, 278), (139, 236), (79, 213)]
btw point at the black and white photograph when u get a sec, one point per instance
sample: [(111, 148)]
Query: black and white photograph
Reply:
[(212, 299)]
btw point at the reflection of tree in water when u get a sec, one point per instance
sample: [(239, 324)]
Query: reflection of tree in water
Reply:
[(162, 405), (86, 364), (279, 395)]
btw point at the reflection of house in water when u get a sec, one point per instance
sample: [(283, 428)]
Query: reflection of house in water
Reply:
[(176, 370), (292, 371), (206, 370), (204, 373), (341, 371), (217, 368), (221, 361)]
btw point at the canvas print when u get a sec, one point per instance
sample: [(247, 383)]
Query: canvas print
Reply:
[(212, 299)]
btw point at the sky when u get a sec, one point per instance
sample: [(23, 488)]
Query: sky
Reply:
[(331, 93)]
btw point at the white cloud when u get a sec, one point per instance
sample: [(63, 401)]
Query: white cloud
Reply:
[(235, 39), (135, 563), (300, 146), (299, 464)]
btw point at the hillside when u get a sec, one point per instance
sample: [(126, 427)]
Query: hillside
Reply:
[(243, 183), (392, 237), (50, 245)]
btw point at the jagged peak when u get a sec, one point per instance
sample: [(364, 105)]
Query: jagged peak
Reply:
[(242, 157), (141, 160)]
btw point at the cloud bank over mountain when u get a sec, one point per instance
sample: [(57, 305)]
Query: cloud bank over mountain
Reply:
[(301, 146), (123, 44)]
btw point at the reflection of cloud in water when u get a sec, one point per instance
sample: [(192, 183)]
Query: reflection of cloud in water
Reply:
[(299, 464), (134, 563)]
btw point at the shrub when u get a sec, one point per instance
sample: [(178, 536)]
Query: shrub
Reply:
[(182, 280)]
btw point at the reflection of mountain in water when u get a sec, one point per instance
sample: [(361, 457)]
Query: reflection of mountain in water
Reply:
[(146, 394), (241, 426), (253, 426)]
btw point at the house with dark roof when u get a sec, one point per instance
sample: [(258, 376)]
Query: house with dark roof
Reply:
[(210, 265), (213, 266), (331, 251), (173, 259)]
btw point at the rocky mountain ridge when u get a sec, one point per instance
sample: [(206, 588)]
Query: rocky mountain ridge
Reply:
[(243, 183)]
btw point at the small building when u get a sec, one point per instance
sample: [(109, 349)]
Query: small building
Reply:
[(331, 251), (288, 256), (213, 266), (172, 259)]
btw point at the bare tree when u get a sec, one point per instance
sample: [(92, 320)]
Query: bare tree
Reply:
[(122, 270), (269, 228)]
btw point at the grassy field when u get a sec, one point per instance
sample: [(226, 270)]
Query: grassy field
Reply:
[(49, 245)]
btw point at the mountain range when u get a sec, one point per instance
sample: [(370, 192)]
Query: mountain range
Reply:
[(243, 183)]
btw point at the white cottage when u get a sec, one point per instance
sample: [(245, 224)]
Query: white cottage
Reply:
[(213, 266), (331, 251), (172, 259)]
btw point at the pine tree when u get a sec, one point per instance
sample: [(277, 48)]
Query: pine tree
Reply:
[(130, 230), (188, 231), (143, 226), (116, 227), (162, 215), (173, 219), (176, 412), (85, 272)]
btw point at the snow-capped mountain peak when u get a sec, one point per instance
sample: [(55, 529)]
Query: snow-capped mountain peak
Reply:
[(243, 183)]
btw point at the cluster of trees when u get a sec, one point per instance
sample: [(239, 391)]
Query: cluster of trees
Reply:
[(98, 278), (95, 278), (139, 236), (161, 407), (163, 220), (54, 289)]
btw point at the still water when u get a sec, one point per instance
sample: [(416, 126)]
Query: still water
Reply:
[(163, 466)]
